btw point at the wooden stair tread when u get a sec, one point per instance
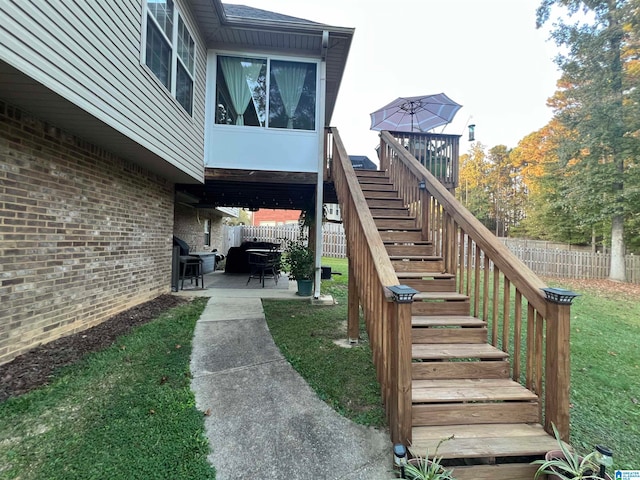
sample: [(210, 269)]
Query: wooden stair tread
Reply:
[(469, 390), (424, 275), (415, 258), (501, 471), (446, 321), (444, 351), (481, 440), (440, 296), (408, 243)]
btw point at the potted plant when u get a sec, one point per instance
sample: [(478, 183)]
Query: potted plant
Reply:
[(565, 464), (299, 260)]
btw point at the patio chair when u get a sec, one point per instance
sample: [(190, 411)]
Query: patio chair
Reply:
[(263, 265)]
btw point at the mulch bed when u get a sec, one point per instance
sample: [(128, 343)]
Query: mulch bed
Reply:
[(38, 366)]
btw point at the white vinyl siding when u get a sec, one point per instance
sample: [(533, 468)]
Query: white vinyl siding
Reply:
[(90, 54)]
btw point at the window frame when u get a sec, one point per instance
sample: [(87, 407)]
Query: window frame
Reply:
[(172, 42), (268, 58)]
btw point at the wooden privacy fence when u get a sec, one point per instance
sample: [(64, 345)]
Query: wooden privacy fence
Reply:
[(573, 264), (334, 242)]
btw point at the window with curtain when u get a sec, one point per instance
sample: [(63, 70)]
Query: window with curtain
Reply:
[(170, 50), (265, 93)]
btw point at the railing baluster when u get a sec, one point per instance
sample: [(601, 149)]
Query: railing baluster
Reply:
[(506, 314), (517, 336), (476, 283), (485, 290), (531, 348), (494, 305), (469, 265), (460, 263)]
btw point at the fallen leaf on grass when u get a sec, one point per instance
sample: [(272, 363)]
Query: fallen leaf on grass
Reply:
[(152, 411), (163, 379), (178, 346), (614, 354)]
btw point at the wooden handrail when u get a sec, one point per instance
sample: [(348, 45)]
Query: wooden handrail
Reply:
[(370, 274), (475, 255)]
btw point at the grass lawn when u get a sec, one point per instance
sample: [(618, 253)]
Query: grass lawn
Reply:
[(126, 412)]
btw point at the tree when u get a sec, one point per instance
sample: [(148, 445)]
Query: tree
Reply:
[(491, 188), (599, 104), (473, 191)]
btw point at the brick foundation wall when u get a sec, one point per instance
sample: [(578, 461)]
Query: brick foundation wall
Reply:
[(83, 233)]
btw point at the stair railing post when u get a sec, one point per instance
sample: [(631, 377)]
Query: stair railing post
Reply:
[(384, 161), (401, 358), (557, 367)]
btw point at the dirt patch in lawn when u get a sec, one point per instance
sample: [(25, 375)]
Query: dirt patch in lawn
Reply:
[(37, 367)]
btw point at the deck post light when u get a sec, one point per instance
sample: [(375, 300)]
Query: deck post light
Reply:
[(400, 457), (402, 293), (472, 132), (604, 457), (560, 295), (422, 185)]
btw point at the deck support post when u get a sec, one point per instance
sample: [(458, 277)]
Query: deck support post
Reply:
[(557, 372)]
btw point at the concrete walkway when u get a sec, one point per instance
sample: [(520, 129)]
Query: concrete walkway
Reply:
[(265, 422)]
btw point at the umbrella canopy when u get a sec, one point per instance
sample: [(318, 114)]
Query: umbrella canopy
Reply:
[(408, 114)]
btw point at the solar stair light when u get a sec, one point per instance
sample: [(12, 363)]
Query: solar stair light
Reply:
[(400, 457), (559, 295), (402, 293), (604, 457)]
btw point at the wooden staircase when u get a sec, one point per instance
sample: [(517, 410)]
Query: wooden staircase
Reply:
[(461, 385)]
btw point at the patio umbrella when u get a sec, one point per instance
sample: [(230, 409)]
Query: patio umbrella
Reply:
[(422, 113)]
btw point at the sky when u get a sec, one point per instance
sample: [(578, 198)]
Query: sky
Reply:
[(486, 55)]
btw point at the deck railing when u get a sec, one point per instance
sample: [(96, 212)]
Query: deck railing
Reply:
[(502, 290), (438, 153), (370, 274)]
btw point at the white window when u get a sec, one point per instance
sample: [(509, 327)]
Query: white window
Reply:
[(264, 92), (170, 50), (207, 233)]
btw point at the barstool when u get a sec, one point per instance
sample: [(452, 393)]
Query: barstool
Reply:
[(191, 267)]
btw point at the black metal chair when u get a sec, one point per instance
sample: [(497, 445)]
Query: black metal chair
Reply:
[(263, 265)]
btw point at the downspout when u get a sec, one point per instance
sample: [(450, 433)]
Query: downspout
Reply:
[(320, 181)]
